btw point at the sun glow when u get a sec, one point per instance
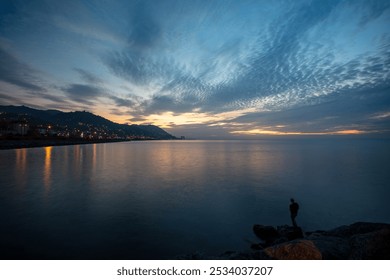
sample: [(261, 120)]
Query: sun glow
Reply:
[(170, 119), (275, 132)]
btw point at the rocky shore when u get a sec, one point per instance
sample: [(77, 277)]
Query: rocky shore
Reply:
[(358, 241)]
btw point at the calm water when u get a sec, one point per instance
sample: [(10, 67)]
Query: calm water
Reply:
[(154, 200)]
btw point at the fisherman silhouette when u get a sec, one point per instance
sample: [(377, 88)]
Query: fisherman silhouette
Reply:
[(294, 207)]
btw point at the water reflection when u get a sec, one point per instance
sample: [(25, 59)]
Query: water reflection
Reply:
[(76, 159), (47, 169), (94, 157), (112, 200), (21, 160), (65, 160)]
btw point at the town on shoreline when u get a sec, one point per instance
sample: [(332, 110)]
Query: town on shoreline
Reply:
[(24, 127)]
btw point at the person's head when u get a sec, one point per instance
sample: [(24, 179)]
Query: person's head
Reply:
[(292, 200)]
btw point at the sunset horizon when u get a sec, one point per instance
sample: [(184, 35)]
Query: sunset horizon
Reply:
[(209, 69), (193, 139)]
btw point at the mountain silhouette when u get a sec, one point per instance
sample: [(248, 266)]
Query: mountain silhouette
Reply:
[(80, 120)]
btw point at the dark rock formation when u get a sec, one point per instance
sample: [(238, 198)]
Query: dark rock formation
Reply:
[(331, 247), (294, 250), (266, 233), (371, 246), (290, 233), (357, 241), (357, 228), (270, 235)]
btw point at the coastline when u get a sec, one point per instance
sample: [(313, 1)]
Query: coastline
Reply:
[(10, 144)]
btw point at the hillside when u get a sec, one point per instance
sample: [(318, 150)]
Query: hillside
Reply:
[(73, 124)]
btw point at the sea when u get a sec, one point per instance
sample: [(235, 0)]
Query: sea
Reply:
[(175, 199)]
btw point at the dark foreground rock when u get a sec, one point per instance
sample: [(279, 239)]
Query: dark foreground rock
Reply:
[(358, 241), (363, 241), (270, 235), (294, 250)]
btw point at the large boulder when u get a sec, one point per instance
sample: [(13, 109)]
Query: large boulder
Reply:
[(290, 233), (363, 241), (371, 246), (266, 233), (281, 234), (357, 241), (331, 247), (357, 228), (294, 250)]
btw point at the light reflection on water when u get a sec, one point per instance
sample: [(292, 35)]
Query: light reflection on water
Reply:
[(162, 199), (47, 169)]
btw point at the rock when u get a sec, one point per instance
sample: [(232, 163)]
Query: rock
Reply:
[(315, 233), (290, 233), (294, 250), (331, 247), (272, 236), (357, 241), (357, 228), (266, 233), (371, 246)]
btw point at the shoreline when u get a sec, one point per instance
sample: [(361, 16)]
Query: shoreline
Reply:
[(11, 144)]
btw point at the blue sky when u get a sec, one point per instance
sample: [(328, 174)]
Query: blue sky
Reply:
[(204, 69)]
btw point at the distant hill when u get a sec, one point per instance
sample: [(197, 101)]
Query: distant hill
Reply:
[(83, 121)]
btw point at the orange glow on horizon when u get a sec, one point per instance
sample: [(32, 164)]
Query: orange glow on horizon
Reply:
[(274, 132), (351, 131), (170, 119)]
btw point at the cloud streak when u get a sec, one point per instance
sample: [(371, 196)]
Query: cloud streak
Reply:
[(290, 66), (285, 71), (17, 73)]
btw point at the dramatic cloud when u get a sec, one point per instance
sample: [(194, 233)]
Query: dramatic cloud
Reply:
[(144, 30), (230, 67), (353, 110), (17, 73), (83, 93), (88, 77), (121, 102)]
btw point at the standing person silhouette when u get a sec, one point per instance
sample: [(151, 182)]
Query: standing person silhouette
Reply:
[(294, 207)]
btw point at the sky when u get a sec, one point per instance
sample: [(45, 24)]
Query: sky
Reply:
[(204, 69)]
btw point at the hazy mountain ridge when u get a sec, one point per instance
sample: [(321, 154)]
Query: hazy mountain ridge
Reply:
[(80, 119)]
